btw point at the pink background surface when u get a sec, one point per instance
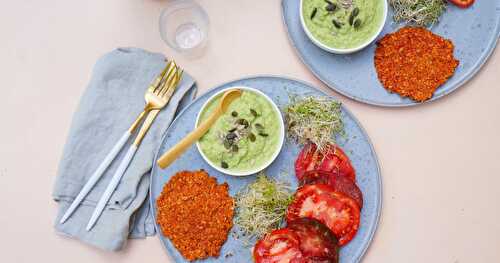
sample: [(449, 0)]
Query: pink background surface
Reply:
[(439, 161)]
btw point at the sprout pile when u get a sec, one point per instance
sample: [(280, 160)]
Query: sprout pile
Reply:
[(314, 119), (261, 206), (424, 13)]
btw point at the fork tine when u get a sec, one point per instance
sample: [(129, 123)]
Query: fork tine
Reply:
[(168, 71), (172, 84), (158, 79), (166, 83), (167, 78)]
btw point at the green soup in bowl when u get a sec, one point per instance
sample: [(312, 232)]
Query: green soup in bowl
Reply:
[(343, 26), (246, 138)]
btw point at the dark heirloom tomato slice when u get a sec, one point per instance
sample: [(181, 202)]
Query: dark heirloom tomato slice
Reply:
[(339, 183), (281, 245), (337, 211), (317, 242), (333, 160)]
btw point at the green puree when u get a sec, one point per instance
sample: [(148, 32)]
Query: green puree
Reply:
[(255, 129), (344, 35)]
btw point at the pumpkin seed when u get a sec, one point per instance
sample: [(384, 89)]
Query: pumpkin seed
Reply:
[(227, 144), (263, 134), (243, 122), (234, 114), (231, 136), (331, 7), (259, 126), (336, 24), (234, 148), (353, 15), (233, 129), (254, 112), (313, 14), (224, 165), (329, 2), (251, 136), (355, 12), (357, 23)]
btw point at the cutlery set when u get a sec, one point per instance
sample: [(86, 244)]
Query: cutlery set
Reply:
[(157, 97)]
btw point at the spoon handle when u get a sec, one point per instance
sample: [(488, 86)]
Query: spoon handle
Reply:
[(173, 153)]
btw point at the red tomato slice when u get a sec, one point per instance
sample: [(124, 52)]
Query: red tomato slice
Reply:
[(317, 242), (339, 183), (279, 246), (337, 211), (304, 160), (332, 160), (462, 3)]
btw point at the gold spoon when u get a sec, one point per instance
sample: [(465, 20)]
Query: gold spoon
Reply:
[(173, 153)]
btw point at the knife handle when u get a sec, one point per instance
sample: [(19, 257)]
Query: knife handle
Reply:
[(96, 176)]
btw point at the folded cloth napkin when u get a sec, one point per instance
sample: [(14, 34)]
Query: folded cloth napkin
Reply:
[(109, 105)]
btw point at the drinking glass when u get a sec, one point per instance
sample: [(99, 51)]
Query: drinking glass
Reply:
[(184, 27)]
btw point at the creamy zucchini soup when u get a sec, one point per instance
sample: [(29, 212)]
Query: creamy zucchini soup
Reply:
[(245, 137), (343, 24)]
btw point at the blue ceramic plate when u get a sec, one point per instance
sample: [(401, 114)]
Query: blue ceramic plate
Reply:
[(356, 144), (474, 32)]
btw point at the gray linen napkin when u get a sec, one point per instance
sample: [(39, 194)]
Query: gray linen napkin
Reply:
[(112, 100)]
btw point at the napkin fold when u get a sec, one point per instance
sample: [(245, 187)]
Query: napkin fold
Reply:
[(113, 99)]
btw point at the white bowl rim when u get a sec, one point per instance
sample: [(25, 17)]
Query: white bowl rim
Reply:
[(343, 50), (275, 154)]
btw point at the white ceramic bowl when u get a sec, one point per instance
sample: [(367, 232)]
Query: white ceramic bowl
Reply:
[(275, 154), (343, 50)]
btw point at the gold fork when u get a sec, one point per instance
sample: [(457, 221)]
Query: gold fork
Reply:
[(161, 99), (157, 96)]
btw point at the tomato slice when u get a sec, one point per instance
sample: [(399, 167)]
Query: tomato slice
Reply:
[(332, 160), (317, 242), (462, 3), (279, 246), (340, 183), (337, 211)]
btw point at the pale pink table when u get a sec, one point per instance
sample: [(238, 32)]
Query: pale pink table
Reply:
[(440, 162)]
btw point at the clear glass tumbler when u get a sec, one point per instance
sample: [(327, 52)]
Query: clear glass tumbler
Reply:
[(184, 27)]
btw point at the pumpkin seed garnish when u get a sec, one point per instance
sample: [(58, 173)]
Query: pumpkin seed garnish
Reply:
[(346, 4), (233, 129), (313, 14), (263, 134), (336, 23), (234, 148), (243, 122), (355, 11), (251, 137), (231, 136), (357, 23), (227, 144), (329, 2), (259, 126), (331, 7), (224, 165), (354, 14), (234, 114), (254, 112)]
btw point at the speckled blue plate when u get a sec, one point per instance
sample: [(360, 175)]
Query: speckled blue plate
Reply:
[(474, 32), (356, 144)]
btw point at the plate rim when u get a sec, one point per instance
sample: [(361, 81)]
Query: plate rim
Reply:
[(280, 77), (467, 76)]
